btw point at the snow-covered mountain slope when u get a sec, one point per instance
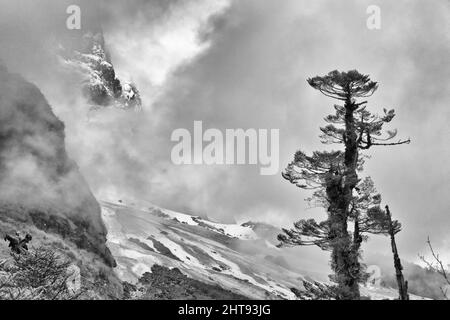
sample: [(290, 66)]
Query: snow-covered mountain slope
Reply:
[(141, 235)]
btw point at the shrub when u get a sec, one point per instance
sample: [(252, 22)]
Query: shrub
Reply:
[(40, 274)]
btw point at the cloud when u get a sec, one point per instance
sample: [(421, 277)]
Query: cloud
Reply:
[(244, 64), (253, 76)]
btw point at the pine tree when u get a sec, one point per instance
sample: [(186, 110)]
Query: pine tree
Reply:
[(333, 177)]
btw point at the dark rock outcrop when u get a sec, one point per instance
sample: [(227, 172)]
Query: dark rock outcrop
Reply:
[(38, 182), (170, 284)]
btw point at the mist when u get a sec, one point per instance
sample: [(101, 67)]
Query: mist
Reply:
[(244, 64)]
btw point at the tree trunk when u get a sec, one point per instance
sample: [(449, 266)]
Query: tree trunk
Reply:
[(339, 189), (348, 255), (341, 255), (402, 284)]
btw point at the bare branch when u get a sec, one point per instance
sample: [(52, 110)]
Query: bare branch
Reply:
[(437, 266), (393, 143)]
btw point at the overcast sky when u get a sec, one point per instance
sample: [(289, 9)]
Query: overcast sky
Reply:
[(244, 64)]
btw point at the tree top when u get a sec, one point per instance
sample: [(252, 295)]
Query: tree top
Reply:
[(344, 85)]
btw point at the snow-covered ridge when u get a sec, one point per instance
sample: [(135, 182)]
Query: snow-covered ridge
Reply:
[(230, 230)]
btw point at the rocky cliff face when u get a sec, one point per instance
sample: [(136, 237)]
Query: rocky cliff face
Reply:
[(39, 184), (101, 86)]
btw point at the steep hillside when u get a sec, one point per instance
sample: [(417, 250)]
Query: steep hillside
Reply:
[(39, 184)]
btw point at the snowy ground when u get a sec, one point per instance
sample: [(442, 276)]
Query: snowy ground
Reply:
[(141, 235)]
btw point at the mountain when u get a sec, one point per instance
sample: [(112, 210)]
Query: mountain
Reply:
[(40, 185), (89, 58), (157, 253), (142, 237)]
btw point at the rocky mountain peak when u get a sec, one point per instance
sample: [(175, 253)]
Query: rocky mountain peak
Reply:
[(100, 84)]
